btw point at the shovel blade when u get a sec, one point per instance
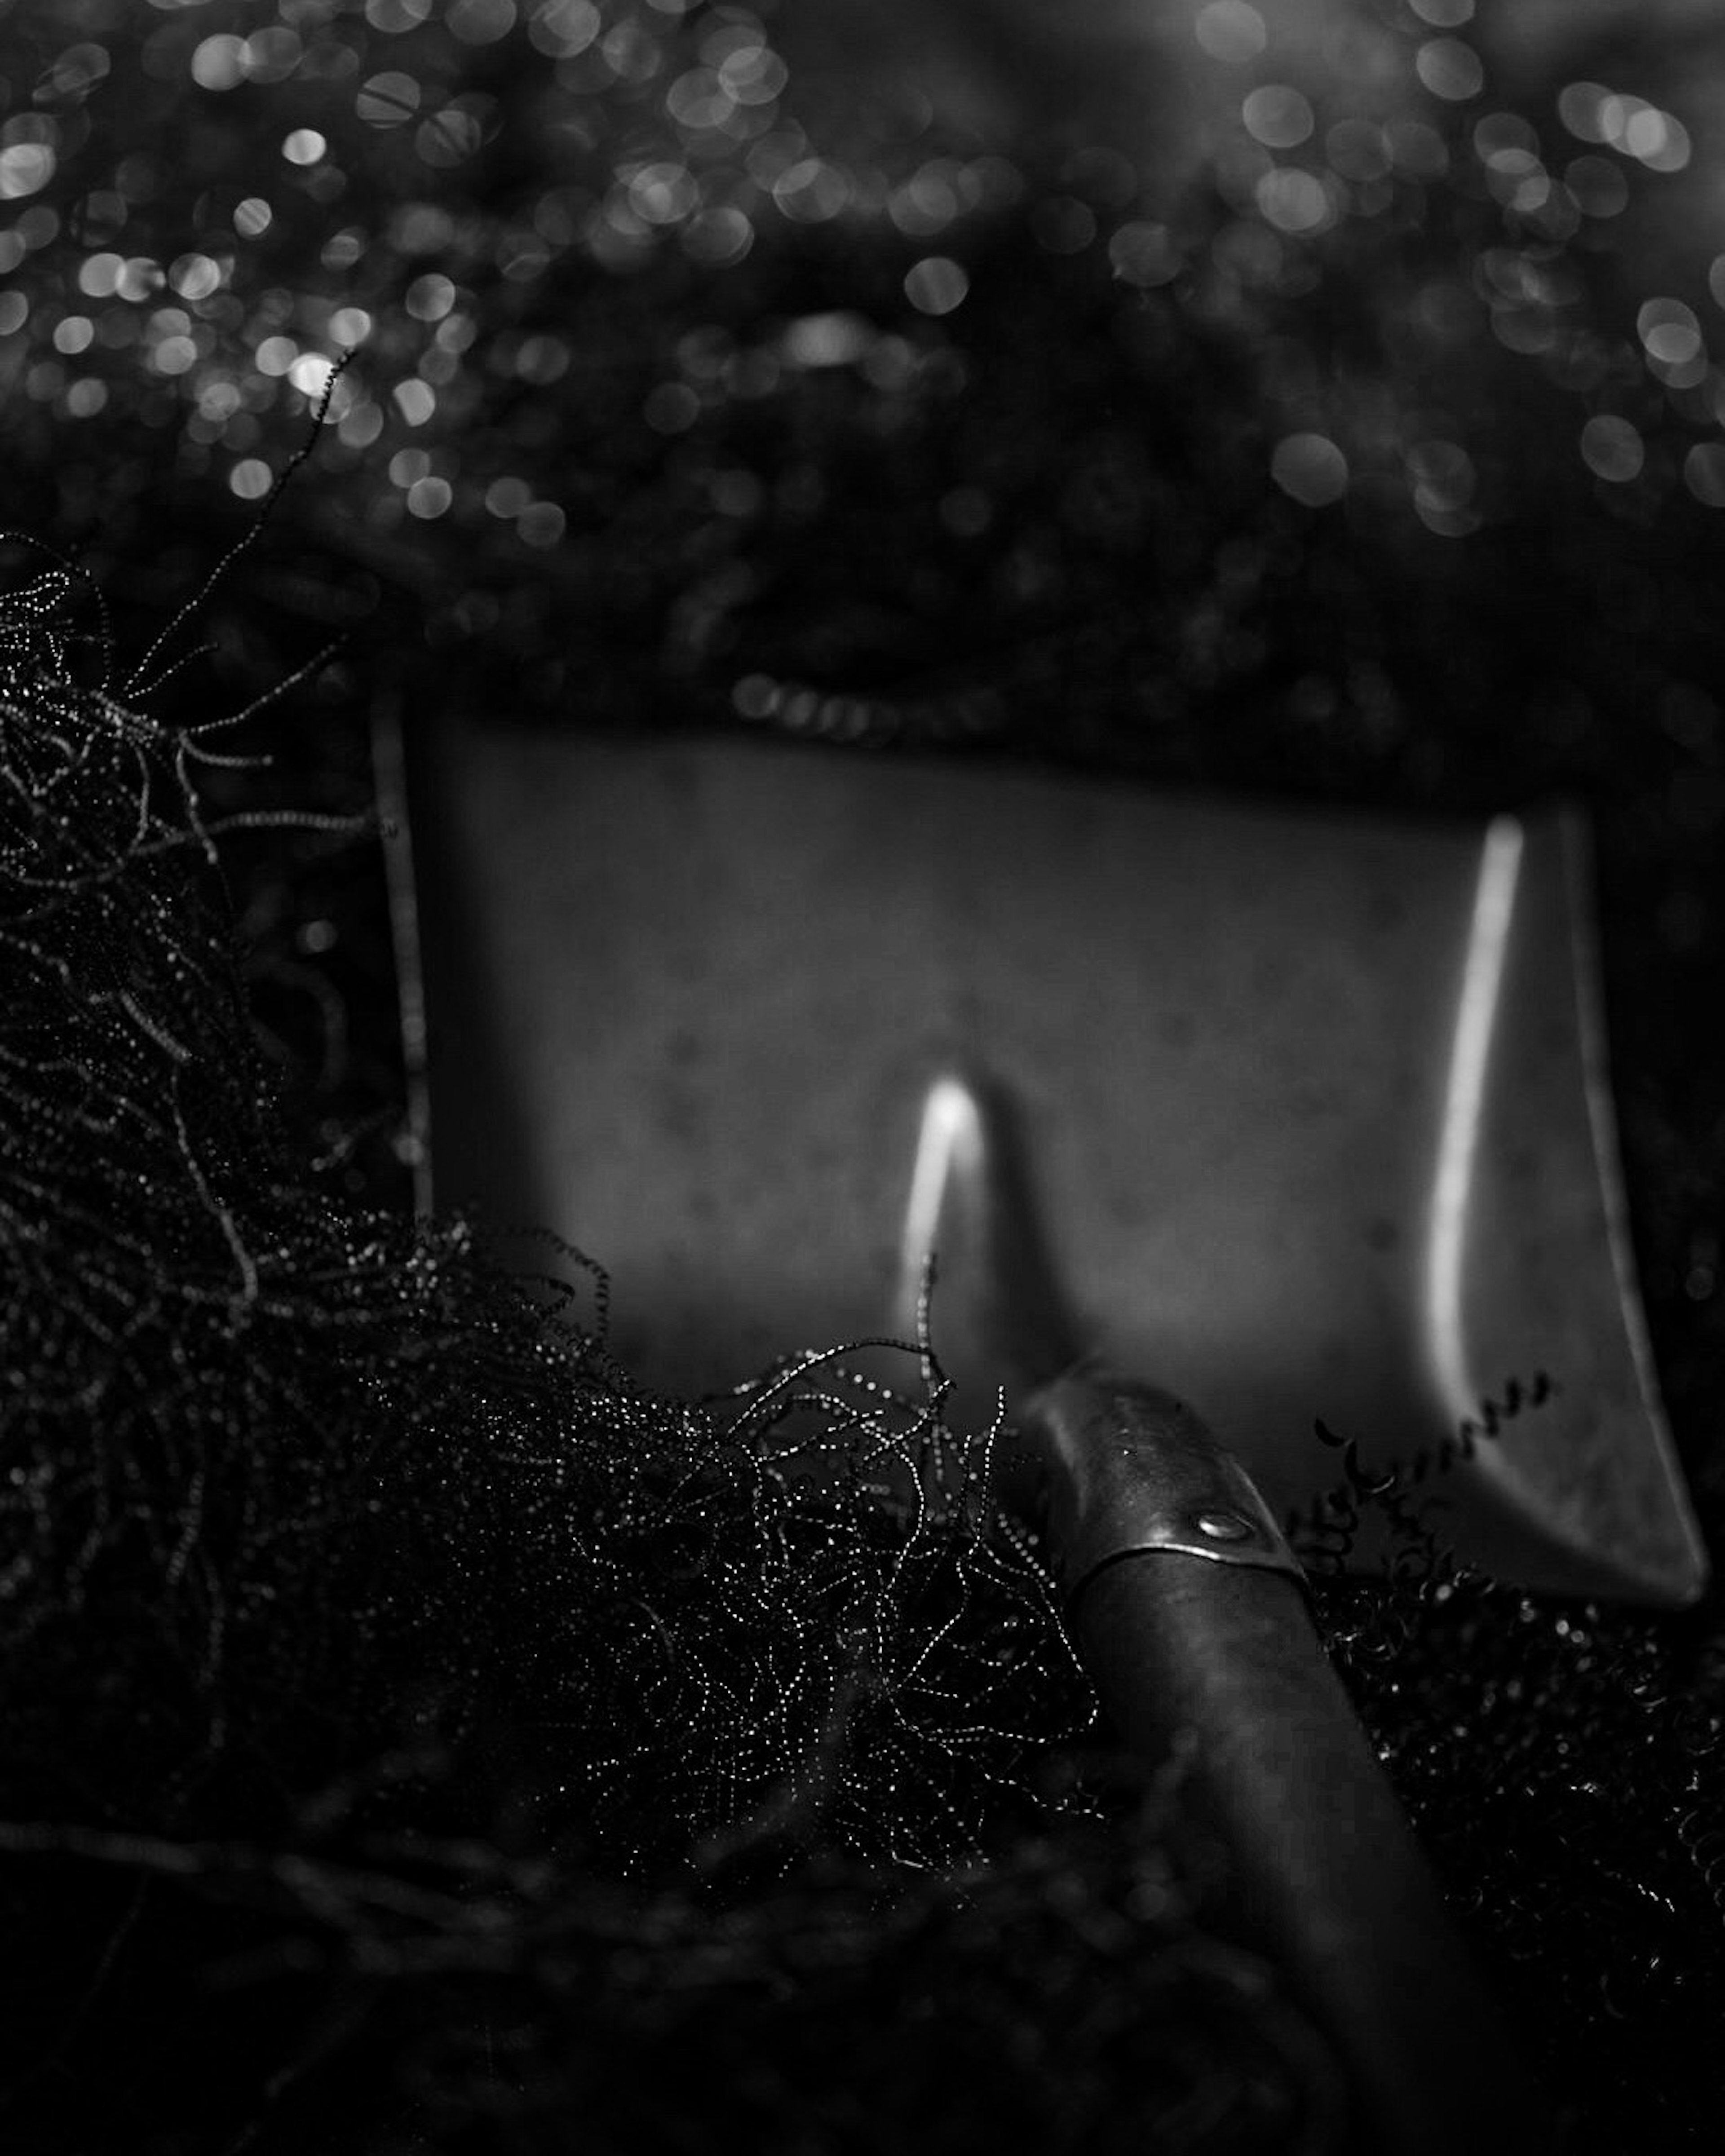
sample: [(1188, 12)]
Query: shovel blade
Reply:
[(1314, 1104)]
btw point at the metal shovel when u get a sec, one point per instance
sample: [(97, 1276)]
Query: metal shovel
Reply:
[(1311, 1120)]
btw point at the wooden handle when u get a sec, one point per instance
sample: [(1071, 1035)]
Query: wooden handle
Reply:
[(1180, 1637)]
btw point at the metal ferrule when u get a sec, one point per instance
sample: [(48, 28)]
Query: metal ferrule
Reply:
[(1133, 1472)]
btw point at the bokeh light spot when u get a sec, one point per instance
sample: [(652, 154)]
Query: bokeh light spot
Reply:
[(1450, 69), (388, 99), (361, 426), (271, 55), (1278, 116), (1310, 468), (1670, 332), (480, 22), (717, 238), (219, 63), (100, 275), (671, 408), (508, 496), (1416, 148), (563, 28), (251, 478), (1443, 475), (1144, 253), (252, 217), (663, 193), (1580, 107), (811, 192), (429, 298), (632, 51), (1357, 151), (927, 202), (1657, 139), (275, 355), (1230, 31), (1294, 201), (1517, 179), (1600, 188), (1704, 473), (431, 496), (139, 278), (700, 101), (541, 361), (935, 285), (304, 146), (448, 137), (751, 71), (541, 524), (174, 356), (38, 225), (1500, 132), (392, 16), (1612, 448), (827, 340), (755, 696), (310, 374), (423, 230), (415, 399), (76, 72), (25, 168), (195, 277)]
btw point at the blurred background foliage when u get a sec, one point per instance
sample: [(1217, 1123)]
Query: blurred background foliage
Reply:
[(1316, 397), (577, 249)]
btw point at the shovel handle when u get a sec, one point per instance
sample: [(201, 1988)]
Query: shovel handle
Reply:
[(1185, 1631)]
